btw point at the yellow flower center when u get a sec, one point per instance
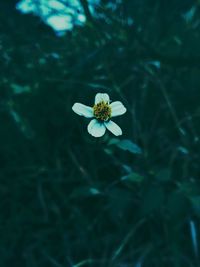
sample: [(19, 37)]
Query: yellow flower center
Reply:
[(102, 111)]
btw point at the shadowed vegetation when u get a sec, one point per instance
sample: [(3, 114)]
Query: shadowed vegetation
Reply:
[(68, 199)]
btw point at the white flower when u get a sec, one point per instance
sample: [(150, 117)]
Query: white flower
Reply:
[(101, 112)]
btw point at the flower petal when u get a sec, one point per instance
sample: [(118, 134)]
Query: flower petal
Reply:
[(117, 108), (102, 97), (83, 110), (113, 128), (96, 128)]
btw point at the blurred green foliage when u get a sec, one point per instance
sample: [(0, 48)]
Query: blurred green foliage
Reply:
[(68, 199)]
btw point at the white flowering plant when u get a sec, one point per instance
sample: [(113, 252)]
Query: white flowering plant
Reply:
[(101, 113)]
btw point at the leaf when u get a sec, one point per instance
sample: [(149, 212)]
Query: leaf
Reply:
[(22, 124), (113, 141), (84, 191), (127, 168), (183, 150), (108, 151), (18, 89), (133, 177), (129, 146), (126, 145)]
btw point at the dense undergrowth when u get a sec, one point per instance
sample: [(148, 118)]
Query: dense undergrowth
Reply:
[(68, 199)]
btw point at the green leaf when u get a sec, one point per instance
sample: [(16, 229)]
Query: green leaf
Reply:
[(133, 177), (129, 146), (84, 191), (113, 141), (108, 151), (18, 89), (126, 145)]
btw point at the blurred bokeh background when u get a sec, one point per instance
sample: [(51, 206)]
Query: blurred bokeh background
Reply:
[(68, 199)]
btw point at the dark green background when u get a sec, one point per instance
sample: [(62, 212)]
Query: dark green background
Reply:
[(64, 201)]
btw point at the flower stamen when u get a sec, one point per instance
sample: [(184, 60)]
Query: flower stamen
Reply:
[(102, 111)]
